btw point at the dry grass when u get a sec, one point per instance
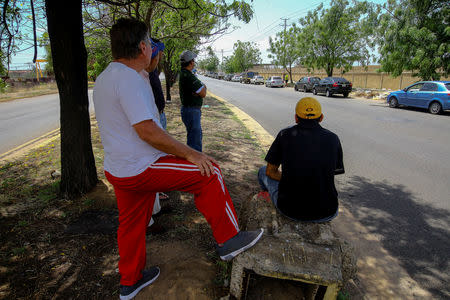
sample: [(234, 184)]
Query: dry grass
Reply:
[(28, 91), (13, 93)]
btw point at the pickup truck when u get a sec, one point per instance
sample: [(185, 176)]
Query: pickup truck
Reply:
[(246, 76)]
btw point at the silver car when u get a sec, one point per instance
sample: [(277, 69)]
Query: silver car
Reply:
[(274, 81), (257, 79)]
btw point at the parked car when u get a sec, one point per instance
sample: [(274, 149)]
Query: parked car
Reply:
[(274, 81), (306, 84), (246, 76), (220, 75), (228, 77), (257, 79), (432, 95), (333, 85), (236, 78)]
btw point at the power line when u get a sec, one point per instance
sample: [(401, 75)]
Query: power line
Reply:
[(269, 28)]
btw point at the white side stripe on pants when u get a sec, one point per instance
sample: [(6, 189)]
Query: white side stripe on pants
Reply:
[(191, 168), (231, 216)]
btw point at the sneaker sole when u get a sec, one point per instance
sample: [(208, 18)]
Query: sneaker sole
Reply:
[(233, 254), (133, 294)]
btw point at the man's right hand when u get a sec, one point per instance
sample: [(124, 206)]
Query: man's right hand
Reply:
[(202, 161)]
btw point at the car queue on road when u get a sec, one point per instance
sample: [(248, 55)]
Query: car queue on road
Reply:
[(431, 95)]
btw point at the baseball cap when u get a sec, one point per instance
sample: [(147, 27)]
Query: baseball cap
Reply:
[(156, 47), (308, 108), (187, 56)]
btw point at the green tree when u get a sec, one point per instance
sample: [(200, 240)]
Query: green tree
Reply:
[(99, 53), (245, 55), (414, 35), (338, 36), (227, 65), (211, 62), (44, 41), (284, 50), (180, 24)]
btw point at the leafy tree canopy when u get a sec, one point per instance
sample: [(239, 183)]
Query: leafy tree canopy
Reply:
[(284, 50), (211, 62), (338, 36), (414, 35), (245, 55)]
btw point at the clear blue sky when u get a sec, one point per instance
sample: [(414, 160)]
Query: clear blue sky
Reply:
[(267, 21)]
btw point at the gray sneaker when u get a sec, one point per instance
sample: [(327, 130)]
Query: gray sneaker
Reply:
[(239, 243), (128, 292)]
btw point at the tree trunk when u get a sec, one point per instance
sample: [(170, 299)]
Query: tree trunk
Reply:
[(329, 70), (65, 28), (168, 75)]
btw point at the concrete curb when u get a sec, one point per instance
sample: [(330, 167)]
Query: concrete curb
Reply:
[(34, 143)]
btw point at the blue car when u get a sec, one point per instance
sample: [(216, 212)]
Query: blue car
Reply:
[(432, 95)]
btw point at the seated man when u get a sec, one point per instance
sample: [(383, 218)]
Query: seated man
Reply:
[(310, 156), (141, 159)]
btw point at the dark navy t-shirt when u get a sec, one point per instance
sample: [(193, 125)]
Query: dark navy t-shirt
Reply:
[(310, 156)]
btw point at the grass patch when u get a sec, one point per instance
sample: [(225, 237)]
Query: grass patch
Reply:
[(223, 273)]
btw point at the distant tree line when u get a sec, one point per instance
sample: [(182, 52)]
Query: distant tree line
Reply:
[(400, 35)]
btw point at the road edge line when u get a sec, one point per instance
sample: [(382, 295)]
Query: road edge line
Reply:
[(49, 136)]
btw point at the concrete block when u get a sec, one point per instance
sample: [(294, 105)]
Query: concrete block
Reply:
[(307, 252)]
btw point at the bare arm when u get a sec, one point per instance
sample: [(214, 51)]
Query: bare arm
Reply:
[(273, 172), (150, 132), (202, 92)]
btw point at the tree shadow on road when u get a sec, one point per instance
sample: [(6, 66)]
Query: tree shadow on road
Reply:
[(416, 234)]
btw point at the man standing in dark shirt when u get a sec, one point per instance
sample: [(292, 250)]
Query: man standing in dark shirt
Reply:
[(155, 82), (310, 156), (192, 92)]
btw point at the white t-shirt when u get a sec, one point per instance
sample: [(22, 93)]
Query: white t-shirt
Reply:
[(123, 98)]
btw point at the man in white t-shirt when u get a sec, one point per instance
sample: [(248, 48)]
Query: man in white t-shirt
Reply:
[(142, 159)]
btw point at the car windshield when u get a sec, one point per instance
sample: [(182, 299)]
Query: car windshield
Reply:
[(340, 80), (447, 85), (276, 77)]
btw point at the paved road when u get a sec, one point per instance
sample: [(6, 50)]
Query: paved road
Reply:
[(22, 120), (397, 181)]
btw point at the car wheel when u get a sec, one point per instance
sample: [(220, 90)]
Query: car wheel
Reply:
[(435, 108), (295, 88), (305, 90), (393, 102), (345, 95), (314, 91), (328, 93)]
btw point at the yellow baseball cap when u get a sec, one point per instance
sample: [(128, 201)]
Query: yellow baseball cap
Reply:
[(308, 108)]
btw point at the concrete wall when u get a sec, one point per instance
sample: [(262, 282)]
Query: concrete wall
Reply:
[(359, 76)]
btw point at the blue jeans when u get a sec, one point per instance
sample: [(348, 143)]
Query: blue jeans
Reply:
[(268, 184), (271, 185), (163, 120), (191, 117)]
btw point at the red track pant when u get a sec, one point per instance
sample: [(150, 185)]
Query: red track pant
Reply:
[(136, 195)]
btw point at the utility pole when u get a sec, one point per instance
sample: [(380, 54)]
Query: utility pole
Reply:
[(284, 42), (221, 61)]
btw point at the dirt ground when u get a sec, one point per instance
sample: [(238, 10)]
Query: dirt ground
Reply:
[(55, 248)]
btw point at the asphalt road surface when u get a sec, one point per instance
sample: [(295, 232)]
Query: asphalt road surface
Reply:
[(22, 120), (397, 161)]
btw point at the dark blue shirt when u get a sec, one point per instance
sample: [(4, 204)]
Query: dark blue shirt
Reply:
[(157, 90)]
